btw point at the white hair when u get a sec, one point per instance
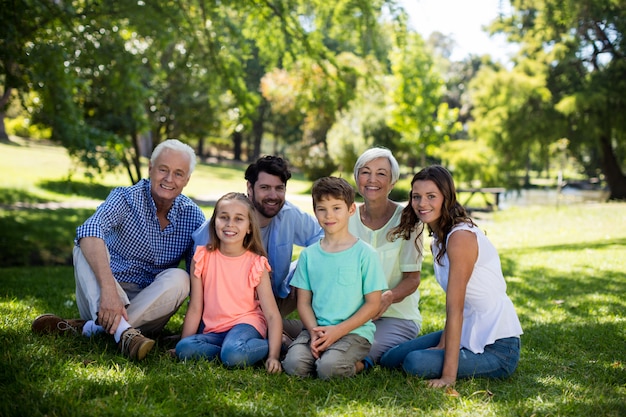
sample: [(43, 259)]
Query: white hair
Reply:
[(375, 153), (178, 146)]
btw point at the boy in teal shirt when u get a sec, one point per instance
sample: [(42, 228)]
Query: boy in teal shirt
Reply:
[(339, 281)]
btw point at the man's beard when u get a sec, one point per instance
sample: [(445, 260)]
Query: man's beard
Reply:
[(265, 211)]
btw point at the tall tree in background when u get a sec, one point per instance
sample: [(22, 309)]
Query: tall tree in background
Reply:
[(582, 44), (417, 112), (105, 72), (515, 116)]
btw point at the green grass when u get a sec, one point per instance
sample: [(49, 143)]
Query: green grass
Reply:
[(566, 274)]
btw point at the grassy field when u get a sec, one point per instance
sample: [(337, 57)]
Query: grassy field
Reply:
[(566, 273)]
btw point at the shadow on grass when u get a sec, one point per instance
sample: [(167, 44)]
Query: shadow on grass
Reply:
[(11, 196), (576, 294), (79, 188), (33, 237), (573, 368)]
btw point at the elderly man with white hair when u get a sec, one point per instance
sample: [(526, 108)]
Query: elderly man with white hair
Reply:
[(127, 255)]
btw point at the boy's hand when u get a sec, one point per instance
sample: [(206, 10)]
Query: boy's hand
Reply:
[(326, 336), (315, 335)]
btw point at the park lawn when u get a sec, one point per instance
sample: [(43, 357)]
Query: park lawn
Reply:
[(34, 172), (567, 287), (566, 273)]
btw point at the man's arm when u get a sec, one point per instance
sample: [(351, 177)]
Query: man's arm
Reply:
[(111, 308), (308, 231)]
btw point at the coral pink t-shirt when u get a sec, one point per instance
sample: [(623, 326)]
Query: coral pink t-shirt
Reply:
[(229, 287)]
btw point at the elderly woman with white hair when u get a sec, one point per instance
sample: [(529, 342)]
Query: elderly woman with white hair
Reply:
[(398, 320)]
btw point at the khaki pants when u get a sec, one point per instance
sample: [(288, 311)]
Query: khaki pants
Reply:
[(148, 309), (338, 360)]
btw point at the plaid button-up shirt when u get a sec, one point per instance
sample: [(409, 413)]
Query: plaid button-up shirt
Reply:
[(139, 249)]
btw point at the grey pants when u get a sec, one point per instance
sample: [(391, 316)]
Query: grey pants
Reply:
[(148, 309), (337, 361)]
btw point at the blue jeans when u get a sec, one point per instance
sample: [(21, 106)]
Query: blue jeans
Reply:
[(240, 346), (499, 359)]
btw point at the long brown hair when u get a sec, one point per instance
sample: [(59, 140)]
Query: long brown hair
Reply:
[(408, 223), (252, 241), (452, 212)]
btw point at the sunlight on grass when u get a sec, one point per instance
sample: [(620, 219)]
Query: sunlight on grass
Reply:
[(565, 271)]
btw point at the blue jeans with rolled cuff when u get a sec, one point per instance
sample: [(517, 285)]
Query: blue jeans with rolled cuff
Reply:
[(499, 359), (240, 346)]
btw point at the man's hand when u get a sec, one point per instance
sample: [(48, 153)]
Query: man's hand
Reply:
[(111, 310)]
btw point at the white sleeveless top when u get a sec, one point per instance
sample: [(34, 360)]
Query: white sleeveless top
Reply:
[(488, 313)]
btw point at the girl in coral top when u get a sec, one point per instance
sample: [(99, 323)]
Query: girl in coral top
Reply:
[(231, 300)]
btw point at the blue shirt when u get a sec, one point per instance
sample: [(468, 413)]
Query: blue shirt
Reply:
[(291, 226), (139, 249)]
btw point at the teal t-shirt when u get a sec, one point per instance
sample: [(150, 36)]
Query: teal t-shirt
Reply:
[(339, 282)]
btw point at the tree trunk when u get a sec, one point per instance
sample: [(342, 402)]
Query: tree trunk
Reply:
[(200, 149), (3, 132), (258, 128), (4, 100), (237, 141), (614, 176), (136, 152)]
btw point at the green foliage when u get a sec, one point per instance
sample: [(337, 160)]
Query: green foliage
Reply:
[(21, 126), (415, 101), (471, 162), (578, 50)]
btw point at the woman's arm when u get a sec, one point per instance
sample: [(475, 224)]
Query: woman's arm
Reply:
[(196, 303), (274, 323), (407, 286), (462, 252)]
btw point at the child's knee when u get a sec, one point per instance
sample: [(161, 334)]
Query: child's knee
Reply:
[(298, 362), (333, 367), (234, 358)]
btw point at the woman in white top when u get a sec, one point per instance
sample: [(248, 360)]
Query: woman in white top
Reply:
[(398, 319), (481, 334)]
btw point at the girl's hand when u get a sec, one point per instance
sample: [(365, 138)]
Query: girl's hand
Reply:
[(272, 366), (442, 382)]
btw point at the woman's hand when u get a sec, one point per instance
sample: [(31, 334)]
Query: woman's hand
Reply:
[(385, 301), (442, 382)]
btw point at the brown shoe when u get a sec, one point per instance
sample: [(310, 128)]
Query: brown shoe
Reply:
[(49, 323), (135, 345)]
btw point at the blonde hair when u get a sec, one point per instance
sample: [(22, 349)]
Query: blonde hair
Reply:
[(252, 241)]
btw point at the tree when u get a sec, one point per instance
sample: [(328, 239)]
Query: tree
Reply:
[(417, 113), (106, 74), (581, 44), (514, 115)]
